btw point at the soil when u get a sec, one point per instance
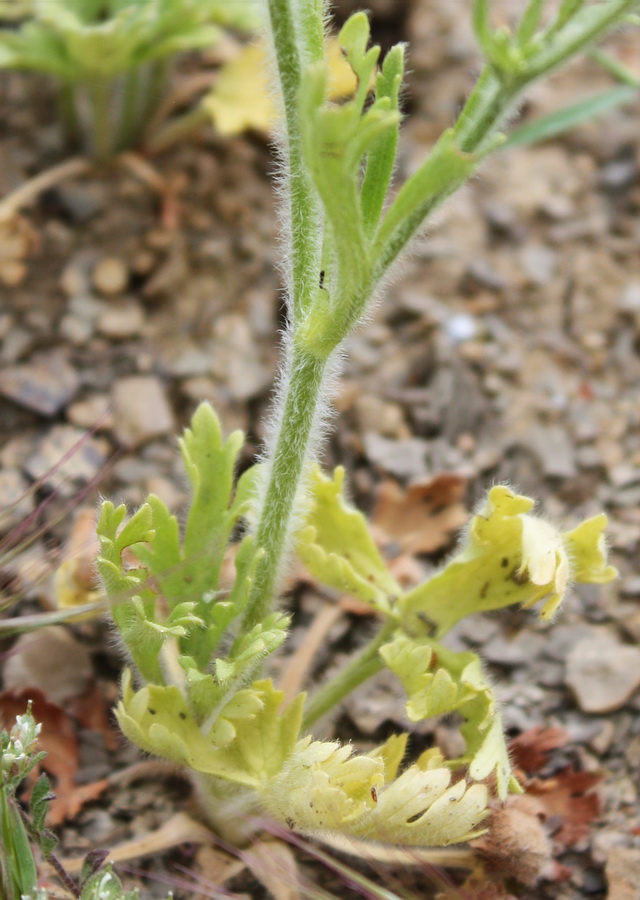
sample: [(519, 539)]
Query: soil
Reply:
[(506, 350)]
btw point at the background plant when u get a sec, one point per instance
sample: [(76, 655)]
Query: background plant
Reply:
[(110, 59), (196, 693)]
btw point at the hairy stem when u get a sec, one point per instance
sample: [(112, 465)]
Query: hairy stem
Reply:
[(286, 471), (303, 214), (364, 666)]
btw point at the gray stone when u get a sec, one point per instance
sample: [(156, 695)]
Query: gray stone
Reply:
[(76, 456), (122, 319), (44, 385), (404, 459), (141, 410), (554, 450), (602, 672)]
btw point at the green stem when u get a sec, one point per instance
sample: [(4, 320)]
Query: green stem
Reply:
[(68, 114), (226, 806), (286, 462), (100, 96), (177, 129), (364, 666), (155, 90), (305, 235), (129, 126)]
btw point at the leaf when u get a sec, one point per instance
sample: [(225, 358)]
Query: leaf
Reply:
[(263, 742), (241, 98), (422, 518), (440, 681), (546, 127), (252, 745), (325, 787), (529, 751), (185, 576), (509, 557), (337, 547)]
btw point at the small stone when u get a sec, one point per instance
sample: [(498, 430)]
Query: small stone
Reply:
[(385, 418), (16, 345), (623, 873), (81, 200), (538, 263), (236, 359), (92, 412), (461, 327), (141, 410), (86, 306), (603, 673), (122, 319), (16, 502), (76, 456), (404, 458), (12, 272), (110, 276), (629, 299), (51, 660), (517, 651), (553, 449), (44, 385), (75, 330)]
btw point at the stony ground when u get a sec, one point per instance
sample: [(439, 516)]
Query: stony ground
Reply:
[(506, 350)]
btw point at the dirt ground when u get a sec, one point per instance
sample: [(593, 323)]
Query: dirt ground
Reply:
[(506, 350)]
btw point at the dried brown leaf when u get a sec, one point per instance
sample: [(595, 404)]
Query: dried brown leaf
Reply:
[(422, 518), (530, 749)]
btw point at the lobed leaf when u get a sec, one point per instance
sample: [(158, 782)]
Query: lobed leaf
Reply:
[(439, 681), (325, 787), (337, 548), (508, 557)]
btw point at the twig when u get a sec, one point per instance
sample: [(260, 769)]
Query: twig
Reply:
[(299, 664), (31, 189)]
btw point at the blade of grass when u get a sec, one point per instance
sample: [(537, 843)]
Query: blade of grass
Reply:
[(563, 120)]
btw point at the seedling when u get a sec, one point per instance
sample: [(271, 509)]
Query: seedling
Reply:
[(196, 690), (110, 59)]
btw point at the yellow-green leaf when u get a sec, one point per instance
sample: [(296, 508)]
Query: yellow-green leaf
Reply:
[(326, 787), (508, 557), (241, 97), (337, 548)]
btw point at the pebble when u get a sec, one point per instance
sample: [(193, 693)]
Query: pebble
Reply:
[(602, 672), (404, 458), (15, 501), (629, 299), (91, 412), (553, 449), (141, 410), (623, 873), (44, 385), (374, 414), (461, 327), (51, 660), (76, 456), (122, 319), (538, 263), (110, 276), (235, 359), (15, 345), (75, 330), (82, 200)]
